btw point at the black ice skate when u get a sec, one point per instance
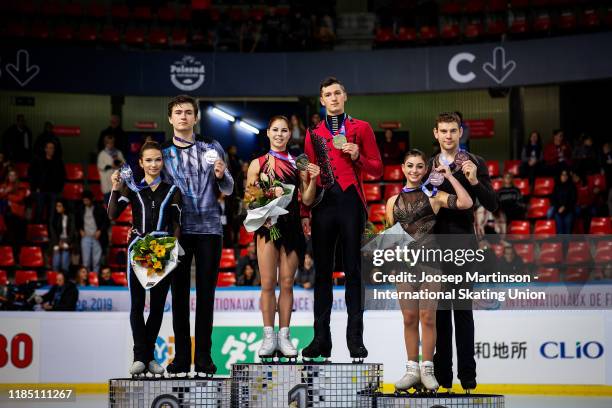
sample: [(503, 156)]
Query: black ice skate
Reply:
[(356, 348), (205, 368), (175, 369), (320, 346), (468, 385)]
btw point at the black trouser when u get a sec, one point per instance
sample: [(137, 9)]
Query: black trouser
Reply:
[(339, 215), (461, 310), (207, 251), (145, 334)]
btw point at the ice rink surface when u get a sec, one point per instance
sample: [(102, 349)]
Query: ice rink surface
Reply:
[(512, 401)]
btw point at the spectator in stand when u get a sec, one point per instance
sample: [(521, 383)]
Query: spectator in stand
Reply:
[(389, 149), (585, 199), (532, 157), (249, 277), (17, 141), (510, 263), (109, 159), (105, 278), (249, 259), (5, 166), (82, 277), (62, 296), (298, 134), (114, 129), (557, 154), (92, 223), (585, 157), (489, 223), (315, 118), (62, 236), (45, 137), (563, 200), (12, 206), (510, 199), (605, 163), (47, 177), (306, 273)]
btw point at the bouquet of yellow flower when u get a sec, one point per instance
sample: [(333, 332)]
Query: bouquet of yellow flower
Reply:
[(153, 257)]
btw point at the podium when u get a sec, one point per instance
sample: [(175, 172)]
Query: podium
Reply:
[(169, 392), (305, 385), (445, 400)]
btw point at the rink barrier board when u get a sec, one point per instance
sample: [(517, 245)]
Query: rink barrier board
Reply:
[(503, 389)]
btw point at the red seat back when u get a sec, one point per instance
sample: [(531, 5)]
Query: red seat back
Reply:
[(526, 252), (545, 229), (119, 235), (543, 186), (392, 189), (578, 253), (226, 279), (117, 257), (597, 180), (523, 185), (577, 274), (548, 275), (550, 253), (377, 213), (228, 259), (517, 230), (73, 191), (393, 172), (120, 278), (3, 278), (512, 166), (538, 207), (51, 277), (93, 279), (245, 237), (126, 216), (372, 192), (22, 277), (6, 256), (31, 257), (603, 252), (601, 225), (493, 168), (93, 174)]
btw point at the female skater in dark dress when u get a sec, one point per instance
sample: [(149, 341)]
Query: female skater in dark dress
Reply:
[(415, 208), (284, 253)]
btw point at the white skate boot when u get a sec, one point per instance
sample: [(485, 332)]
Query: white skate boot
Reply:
[(269, 344), (428, 379), (155, 368), (412, 378), (285, 347), (137, 368)]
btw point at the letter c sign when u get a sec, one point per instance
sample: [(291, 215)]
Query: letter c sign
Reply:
[(453, 66)]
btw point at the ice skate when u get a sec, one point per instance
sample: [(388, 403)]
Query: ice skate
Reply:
[(205, 368), (175, 369), (428, 379), (320, 346), (356, 348), (284, 346), (267, 351), (138, 369), (468, 385), (411, 379), (155, 369)]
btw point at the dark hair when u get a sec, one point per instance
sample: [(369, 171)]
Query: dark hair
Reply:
[(88, 194), (103, 267), (448, 117), (278, 117), (148, 146), (539, 142), (328, 82), (181, 100), (557, 131), (415, 152), (460, 116)]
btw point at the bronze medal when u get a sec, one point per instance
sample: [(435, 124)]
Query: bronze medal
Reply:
[(339, 141), (302, 162)]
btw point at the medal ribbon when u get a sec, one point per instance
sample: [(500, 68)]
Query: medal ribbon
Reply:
[(289, 159), (127, 176)]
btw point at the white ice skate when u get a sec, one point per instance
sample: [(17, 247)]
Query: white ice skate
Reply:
[(412, 378), (428, 379), (155, 368), (137, 368), (269, 344), (285, 347)]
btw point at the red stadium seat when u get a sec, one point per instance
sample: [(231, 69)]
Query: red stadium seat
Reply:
[(15, 29), (577, 274), (384, 35), (158, 36), (228, 259), (93, 174), (567, 20), (377, 213), (51, 277), (473, 30), (64, 33), (545, 229), (37, 233), (428, 33), (601, 225), (590, 18), (110, 35), (518, 230), (497, 6), (406, 35), (22, 277), (512, 166), (542, 23), (244, 252), (134, 36), (119, 235), (96, 190), (372, 192), (526, 252), (393, 172), (31, 257), (496, 27), (369, 177), (450, 31), (179, 37), (548, 275), (245, 237), (497, 184), (578, 253), (74, 171), (97, 11), (523, 185), (6, 256), (74, 10), (597, 180), (543, 186), (519, 25), (338, 275), (550, 253), (493, 168), (117, 257), (126, 216), (538, 207), (93, 279), (22, 170), (73, 191), (120, 278), (88, 34), (603, 252), (226, 279), (3, 278), (391, 190)]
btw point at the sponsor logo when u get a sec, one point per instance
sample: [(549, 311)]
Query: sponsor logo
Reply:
[(561, 350), (187, 74)]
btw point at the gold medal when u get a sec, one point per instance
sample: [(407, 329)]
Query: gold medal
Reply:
[(339, 141)]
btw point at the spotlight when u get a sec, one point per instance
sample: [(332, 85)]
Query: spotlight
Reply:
[(223, 114), (248, 127)]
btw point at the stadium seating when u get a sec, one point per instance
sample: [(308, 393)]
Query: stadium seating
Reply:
[(512, 167), (73, 191), (31, 257), (372, 192), (578, 253), (117, 257), (577, 274), (22, 277), (37, 233), (92, 172), (392, 189), (543, 186), (120, 278), (393, 172), (523, 185), (545, 229), (245, 237), (119, 235), (376, 213), (548, 275), (603, 252), (74, 172), (51, 277), (550, 253), (493, 168), (6, 256), (597, 180), (92, 278), (126, 216), (3, 278), (518, 230), (601, 225), (497, 184), (538, 207), (228, 259), (526, 251), (226, 279)]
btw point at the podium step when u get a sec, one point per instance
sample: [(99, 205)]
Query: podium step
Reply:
[(433, 401)]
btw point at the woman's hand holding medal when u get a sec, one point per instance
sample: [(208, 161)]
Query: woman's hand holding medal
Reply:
[(116, 180)]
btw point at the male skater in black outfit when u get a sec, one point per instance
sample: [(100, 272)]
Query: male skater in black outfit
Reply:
[(471, 171)]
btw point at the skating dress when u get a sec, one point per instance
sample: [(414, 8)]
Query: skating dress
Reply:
[(289, 225)]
